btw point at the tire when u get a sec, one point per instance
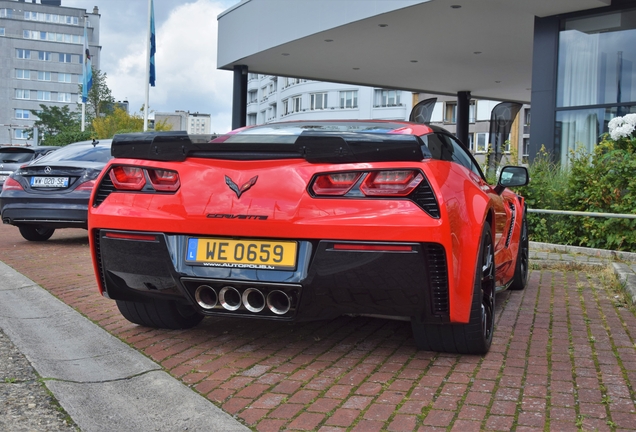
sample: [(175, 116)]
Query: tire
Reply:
[(35, 232), (520, 279), (476, 336), (163, 314)]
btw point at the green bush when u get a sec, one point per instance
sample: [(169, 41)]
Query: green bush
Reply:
[(604, 182)]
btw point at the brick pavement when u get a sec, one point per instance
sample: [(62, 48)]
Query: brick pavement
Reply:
[(563, 357)]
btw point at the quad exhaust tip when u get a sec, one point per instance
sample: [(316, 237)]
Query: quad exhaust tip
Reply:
[(254, 300), (278, 302), (206, 297), (230, 298)]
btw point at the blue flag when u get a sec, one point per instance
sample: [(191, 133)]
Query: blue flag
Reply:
[(87, 72), (153, 44)]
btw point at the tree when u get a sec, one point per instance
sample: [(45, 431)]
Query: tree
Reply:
[(119, 121), (99, 100), (57, 126)]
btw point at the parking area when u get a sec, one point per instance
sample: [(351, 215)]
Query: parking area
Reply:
[(563, 357)]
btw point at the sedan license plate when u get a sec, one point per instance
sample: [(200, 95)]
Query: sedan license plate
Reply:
[(52, 182), (243, 253)]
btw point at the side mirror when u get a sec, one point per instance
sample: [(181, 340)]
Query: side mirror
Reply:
[(512, 176)]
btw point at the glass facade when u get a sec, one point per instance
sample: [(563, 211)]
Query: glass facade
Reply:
[(596, 77)]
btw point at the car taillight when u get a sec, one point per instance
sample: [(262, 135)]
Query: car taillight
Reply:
[(335, 183), (86, 186), (391, 183), (127, 178), (164, 180), (11, 184)]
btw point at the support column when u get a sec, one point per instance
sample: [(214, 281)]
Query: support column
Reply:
[(463, 113), (239, 97)]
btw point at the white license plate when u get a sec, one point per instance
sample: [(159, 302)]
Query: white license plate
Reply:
[(52, 182)]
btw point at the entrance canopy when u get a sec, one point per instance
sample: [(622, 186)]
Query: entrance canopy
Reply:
[(433, 46)]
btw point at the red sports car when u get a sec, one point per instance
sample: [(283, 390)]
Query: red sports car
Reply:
[(310, 220)]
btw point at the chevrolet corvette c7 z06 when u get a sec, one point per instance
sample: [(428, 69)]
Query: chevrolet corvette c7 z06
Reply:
[(310, 220)]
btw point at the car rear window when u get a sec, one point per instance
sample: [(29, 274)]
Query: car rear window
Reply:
[(15, 156), (85, 152)]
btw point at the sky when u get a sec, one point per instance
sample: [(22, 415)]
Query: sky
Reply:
[(185, 62)]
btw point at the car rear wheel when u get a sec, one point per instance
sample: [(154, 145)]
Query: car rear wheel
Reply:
[(476, 336), (160, 314), (520, 279), (36, 233)]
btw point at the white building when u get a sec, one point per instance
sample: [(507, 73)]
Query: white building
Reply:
[(194, 123), (41, 47), (271, 99)]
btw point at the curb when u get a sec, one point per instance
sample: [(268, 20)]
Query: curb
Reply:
[(101, 382)]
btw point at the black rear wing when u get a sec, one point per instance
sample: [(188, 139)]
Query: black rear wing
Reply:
[(315, 147)]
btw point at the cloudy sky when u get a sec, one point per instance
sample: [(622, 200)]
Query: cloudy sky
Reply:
[(186, 34)]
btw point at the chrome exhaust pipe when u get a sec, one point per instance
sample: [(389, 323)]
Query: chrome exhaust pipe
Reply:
[(206, 297), (254, 300), (230, 298), (278, 302)]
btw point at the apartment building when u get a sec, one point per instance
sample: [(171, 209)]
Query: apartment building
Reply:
[(194, 123), (41, 55), (273, 98)]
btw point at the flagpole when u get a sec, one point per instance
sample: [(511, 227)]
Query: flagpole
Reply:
[(147, 76), (83, 128)]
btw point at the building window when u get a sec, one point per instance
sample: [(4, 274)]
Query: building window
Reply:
[(450, 112), (64, 97), (526, 148), (1, 31), (44, 55), (264, 94), (47, 17), (52, 37), (6, 13), (22, 114), (286, 107), (23, 54), (252, 96), (44, 95), (481, 139), (22, 94), (595, 74), (471, 142), (384, 98), (64, 77), (252, 76), (20, 134), (65, 58), (297, 103), (349, 99), (44, 76), (23, 74), (318, 101)]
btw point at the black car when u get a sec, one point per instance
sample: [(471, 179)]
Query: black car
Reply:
[(12, 158), (53, 191)]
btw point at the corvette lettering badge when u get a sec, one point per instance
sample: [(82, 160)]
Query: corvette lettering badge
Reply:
[(245, 187)]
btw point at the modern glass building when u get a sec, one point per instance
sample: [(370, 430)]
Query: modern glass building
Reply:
[(584, 74), (572, 61)]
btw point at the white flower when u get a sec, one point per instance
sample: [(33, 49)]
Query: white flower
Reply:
[(622, 127)]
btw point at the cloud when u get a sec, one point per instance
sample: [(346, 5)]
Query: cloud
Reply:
[(187, 77)]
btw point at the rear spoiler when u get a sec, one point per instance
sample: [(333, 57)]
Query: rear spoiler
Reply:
[(322, 147)]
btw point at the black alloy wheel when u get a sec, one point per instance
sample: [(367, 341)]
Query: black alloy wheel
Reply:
[(522, 268), (476, 336)]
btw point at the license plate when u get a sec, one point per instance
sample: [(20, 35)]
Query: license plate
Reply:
[(52, 182), (243, 253)]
